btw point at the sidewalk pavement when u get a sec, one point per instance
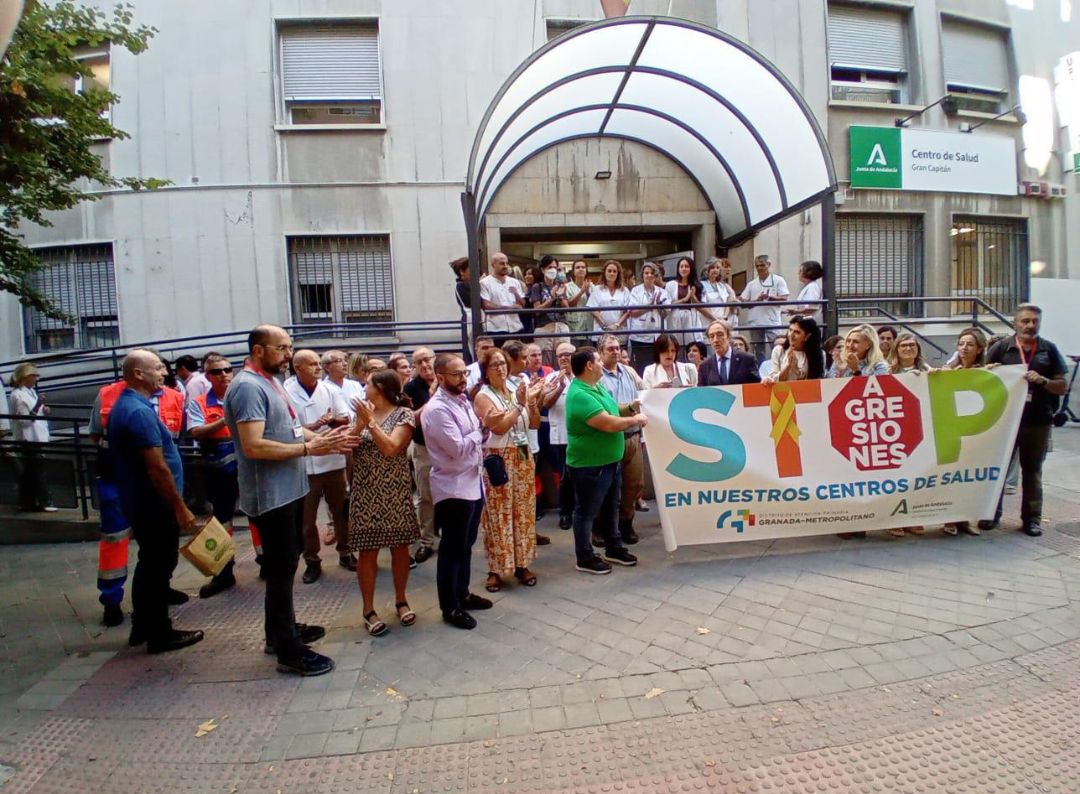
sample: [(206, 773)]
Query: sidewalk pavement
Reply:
[(920, 664)]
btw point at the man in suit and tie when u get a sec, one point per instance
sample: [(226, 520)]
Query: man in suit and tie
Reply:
[(726, 366)]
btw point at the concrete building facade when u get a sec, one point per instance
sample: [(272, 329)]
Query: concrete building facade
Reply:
[(317, 150)]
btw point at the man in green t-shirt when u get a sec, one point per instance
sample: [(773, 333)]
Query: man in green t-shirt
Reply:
[(594, 453)]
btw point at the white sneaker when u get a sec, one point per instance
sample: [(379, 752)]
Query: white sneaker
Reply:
[(50, 509)]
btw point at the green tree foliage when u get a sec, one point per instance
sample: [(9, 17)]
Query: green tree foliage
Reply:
[(48, 131)]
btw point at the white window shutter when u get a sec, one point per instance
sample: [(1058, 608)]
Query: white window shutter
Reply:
[(975, 56), (867, 39), (339, 62)]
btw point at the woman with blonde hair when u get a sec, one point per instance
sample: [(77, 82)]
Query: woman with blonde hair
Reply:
[(861, 356), (509, 517), (358, 367), (32, 434)]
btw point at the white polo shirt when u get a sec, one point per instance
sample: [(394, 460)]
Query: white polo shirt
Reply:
[(309, 407), (765, 315)]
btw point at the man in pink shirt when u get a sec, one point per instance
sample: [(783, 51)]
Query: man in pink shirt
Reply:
[(455, 441)]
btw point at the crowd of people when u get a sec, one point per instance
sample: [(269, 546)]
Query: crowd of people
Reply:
[(422, 454)]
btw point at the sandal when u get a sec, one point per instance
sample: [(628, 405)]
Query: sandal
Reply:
[(494, 583), (408, 617), (375, 627), (525, 576)]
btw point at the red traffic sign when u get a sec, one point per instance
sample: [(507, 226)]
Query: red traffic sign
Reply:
[(875, 422)]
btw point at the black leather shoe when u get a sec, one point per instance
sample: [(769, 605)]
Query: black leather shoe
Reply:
[(177, 597), (174, 640), (566, 522), (219, 584), (459, 618), (542, 540), (308, 663), (474, 602), (137, 637), (312, 573), (308, 634), (348, 562), (629, 536), (259, 562), (1032, 530), (113, 615), (424, 553), (987, 523)]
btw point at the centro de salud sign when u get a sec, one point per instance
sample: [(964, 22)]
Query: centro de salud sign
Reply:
[(897, 158)]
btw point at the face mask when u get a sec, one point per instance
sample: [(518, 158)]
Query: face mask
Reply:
[(550, 274)]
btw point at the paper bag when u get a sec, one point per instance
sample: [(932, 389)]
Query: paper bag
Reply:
[(211, 548)]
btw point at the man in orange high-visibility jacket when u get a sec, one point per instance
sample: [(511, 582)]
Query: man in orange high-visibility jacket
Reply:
[(115, 529)]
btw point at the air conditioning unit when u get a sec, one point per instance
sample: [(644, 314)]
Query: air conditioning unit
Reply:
[(1034, 189), (1058, 191)]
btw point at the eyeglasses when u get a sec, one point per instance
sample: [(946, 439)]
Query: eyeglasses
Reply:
[(459, 374), (222, 371), (497, 365), (279, 348), (564, 355)]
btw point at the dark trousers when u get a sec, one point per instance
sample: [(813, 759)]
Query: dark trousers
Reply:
[(281, 532), (457, 521), (33, 490), (1032, 442), (566, 483), (222, 488), (331, 486), (597, 507), (641, 355), (158, 537)]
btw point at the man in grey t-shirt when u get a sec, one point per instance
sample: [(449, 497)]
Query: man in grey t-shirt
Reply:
[(270, 445)]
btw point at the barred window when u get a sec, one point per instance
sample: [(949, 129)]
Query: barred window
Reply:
[(989, 262), (341, 279), (880, 255), (330, 73), (80, 281)]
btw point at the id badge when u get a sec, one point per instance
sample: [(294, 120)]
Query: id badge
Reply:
[(298, 431), (519, 438), (1027, 397)]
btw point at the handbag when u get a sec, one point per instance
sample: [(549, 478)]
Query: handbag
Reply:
[(495, 467), (211, 548)]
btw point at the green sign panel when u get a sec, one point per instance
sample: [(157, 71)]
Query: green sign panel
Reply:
[(875, 157), (1076, 162)]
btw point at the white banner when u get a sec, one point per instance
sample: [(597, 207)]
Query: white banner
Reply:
[(756, 462)]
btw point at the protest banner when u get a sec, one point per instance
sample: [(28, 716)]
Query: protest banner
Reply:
[(755, 462)]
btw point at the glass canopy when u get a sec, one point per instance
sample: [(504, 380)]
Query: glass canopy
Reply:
[(713, 105)]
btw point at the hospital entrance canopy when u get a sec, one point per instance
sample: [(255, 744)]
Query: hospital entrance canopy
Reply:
[(726, 115)]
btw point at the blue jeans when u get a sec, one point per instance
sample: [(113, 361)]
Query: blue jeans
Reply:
[(597, 507)]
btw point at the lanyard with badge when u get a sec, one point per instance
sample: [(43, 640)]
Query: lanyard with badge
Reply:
[(298, 429), (518, 437), (1027, 364)]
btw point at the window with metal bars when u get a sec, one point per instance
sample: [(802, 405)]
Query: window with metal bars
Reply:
[(989, 262), (80, 281), (341, 279), (880, 257), (330, 73)]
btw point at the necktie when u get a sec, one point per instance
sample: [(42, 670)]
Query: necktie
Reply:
[(723, 371)]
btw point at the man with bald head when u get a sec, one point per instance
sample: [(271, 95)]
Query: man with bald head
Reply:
[(271, 445), (500, 290), (320, 407), (150, 480), (420, 388)]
